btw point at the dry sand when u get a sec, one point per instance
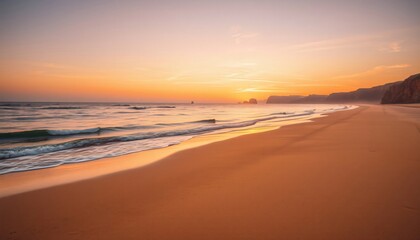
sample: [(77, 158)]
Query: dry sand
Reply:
[(352, 175)]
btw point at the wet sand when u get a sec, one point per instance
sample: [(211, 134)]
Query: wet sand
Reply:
[(352, 175)]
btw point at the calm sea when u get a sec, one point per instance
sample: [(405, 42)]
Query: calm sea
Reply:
[(43, 135)]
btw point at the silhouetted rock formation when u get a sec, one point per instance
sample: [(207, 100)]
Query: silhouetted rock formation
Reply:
[(407, 91), (373, 94), (253, 101)]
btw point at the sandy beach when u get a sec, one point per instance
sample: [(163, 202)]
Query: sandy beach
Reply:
[(352, 175)]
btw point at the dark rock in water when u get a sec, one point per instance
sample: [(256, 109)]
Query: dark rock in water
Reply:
[(407, 91), (252, 101)]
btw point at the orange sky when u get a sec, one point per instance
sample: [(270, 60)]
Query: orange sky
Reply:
[(208, 51)]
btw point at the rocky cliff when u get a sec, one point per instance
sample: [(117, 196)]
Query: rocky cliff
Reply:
[(407, 91), (373, 95)]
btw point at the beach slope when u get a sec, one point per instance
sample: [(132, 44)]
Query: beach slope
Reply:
[(351, 175)]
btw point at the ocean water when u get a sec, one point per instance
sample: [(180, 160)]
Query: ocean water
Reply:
[(42, 135)]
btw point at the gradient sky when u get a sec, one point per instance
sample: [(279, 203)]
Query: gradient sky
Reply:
[(209, 51)]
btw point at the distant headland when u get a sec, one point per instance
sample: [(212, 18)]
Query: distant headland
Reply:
[(407, 91)]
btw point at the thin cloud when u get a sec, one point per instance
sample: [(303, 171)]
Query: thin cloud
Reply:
[(239, 65), (173, 78), (224, 81), (56, 70), (239, 36), (180, 76), (69, 76), (245, 76), (250, 80), (257, 90), (52, 66), (333, 43), (213, 83), (142, 69), (392, 47), (373, 71), (350, 41)]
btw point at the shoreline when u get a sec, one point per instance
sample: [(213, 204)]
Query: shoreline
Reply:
[(26, 181), (351, 175)]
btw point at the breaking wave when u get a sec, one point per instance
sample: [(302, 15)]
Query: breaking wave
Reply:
[(82, 143)]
